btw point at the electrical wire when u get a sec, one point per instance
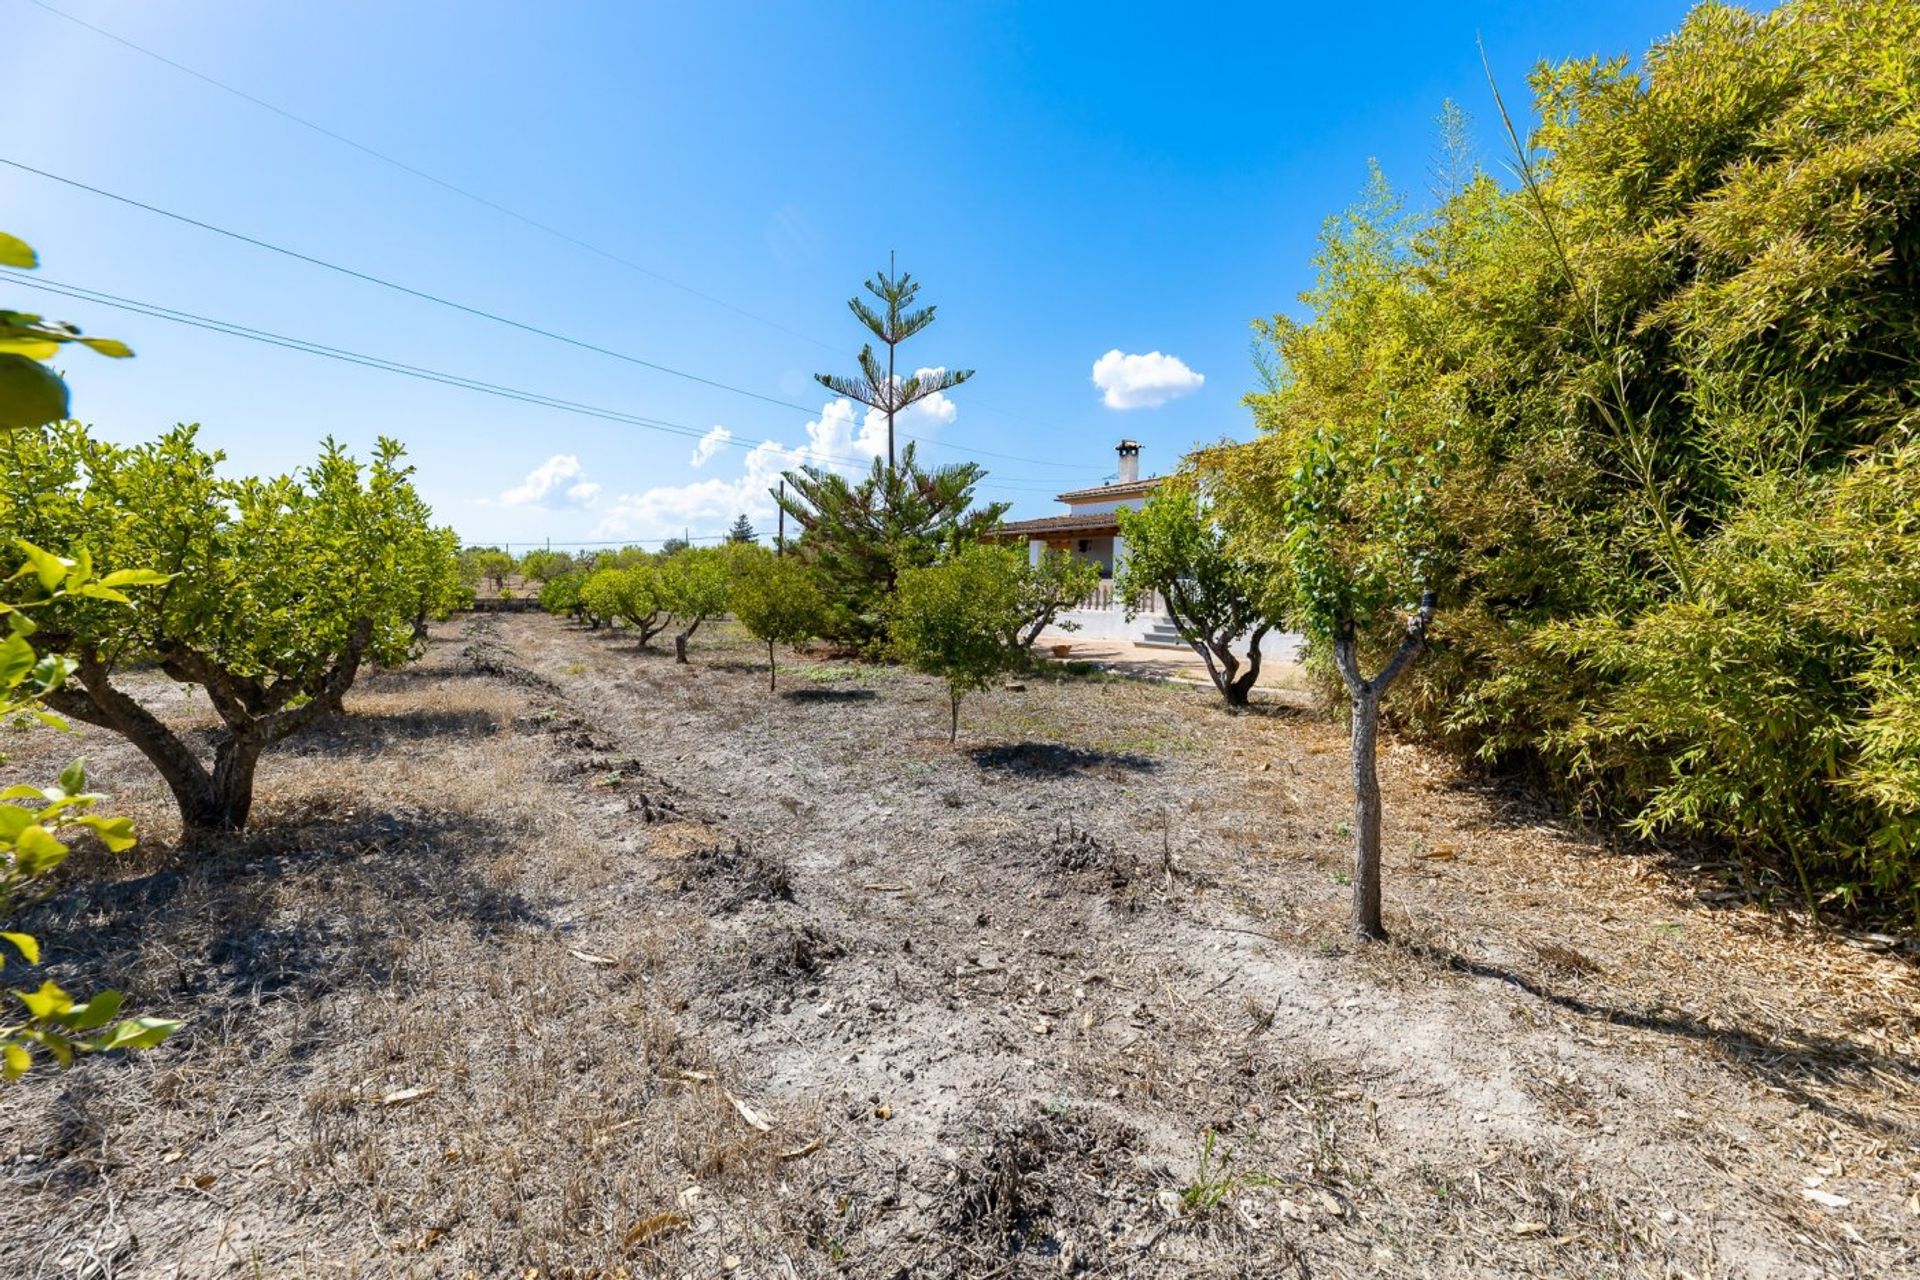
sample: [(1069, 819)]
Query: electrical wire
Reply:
[(466, 309), (425, 176), (540, 399)]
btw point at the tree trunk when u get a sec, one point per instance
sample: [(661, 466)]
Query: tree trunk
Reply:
[(953, 726), (231, 792), (680, 641), (1364, 697), (1366, 817), (773, 671)]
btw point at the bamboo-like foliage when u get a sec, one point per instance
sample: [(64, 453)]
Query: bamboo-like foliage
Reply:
[(1667, 369)]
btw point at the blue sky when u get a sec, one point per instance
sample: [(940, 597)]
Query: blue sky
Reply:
[(1066, 180)]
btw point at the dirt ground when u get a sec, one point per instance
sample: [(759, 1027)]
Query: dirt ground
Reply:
[(554, 958), (1281, 681)]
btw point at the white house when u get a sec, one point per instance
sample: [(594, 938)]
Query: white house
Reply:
[(1089, 530)]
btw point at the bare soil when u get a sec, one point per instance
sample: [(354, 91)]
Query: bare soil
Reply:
[(556, 958)]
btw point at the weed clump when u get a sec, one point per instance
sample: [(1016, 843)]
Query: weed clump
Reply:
[(731, 874)]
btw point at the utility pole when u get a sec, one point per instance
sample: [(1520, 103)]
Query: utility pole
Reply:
[(780, 539)]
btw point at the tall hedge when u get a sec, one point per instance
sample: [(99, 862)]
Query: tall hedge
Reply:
[(1678, 382)]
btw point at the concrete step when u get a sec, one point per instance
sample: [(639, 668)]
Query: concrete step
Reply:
[(1162, 635)]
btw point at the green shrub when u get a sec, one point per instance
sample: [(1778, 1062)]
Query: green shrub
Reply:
[(777, 600), (952, 620), (859, 536)]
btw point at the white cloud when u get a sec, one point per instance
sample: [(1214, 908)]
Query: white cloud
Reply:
[(844, 438), (1141, 382), (560, 481), (710, 444)]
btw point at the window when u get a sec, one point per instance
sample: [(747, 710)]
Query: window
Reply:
[(1084, 545)]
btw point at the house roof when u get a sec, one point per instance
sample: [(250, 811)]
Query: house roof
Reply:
[(1093, 522), (1106, 492)]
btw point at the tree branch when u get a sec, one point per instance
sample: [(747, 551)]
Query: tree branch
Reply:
[(1416, 639)]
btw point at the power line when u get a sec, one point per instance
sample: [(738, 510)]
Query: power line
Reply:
[(505, 543), (464, 308), (235, 330), (425, 176), (497, 207), (408, 290), (305, 346)]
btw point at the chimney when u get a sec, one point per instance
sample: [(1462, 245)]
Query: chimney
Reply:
[(1129, 451)]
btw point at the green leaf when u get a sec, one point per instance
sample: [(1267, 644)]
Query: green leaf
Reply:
[(49, 568), (97, 1012), (36, 852), (52, 671), (73, 778), (26, 944), (113, 347), (57, 1045), (116, 834), (16, 659), (99, 592), (31, 395), (15, 252), (48, 1002), (80, 570), (17, 1061), (136, 578), (140, 1033)]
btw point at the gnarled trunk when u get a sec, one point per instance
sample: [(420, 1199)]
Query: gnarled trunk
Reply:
[(680, 641), (255, 711)]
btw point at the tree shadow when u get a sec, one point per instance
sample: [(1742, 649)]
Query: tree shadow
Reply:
[(1275, 708), (1789, 1065), (369, 732), (302, 906), (1057, 760), (828, 695)]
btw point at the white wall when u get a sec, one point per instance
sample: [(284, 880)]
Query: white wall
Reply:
[(1102, 508), (1114, 625)]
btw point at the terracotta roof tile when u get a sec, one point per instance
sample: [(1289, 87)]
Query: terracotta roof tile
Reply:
[(1086, 523), (1103, 492)]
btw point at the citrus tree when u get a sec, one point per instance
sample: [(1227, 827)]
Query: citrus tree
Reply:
[(693, 587), (777, 600), (486, 564), (1351, 545), (280, 590), (1049, 586), (544, 566), (560, 595), (630, 595), (952, 620), (1215, 594)]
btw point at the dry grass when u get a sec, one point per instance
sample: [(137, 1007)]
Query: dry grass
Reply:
[(555, 958)]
